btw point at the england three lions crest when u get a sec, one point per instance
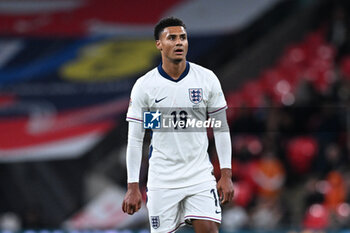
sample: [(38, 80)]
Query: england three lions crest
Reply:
[(155, 222), (196, 95)]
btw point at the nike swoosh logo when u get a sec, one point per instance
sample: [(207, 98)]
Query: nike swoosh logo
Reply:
[(157, 101), (217, 212)]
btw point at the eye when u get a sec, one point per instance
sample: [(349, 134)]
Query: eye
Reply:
[(183, 37), (172, 37)]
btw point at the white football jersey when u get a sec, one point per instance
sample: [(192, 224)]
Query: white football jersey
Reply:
[(177, 158)]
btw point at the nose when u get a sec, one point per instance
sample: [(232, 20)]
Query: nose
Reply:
[(178, 42)]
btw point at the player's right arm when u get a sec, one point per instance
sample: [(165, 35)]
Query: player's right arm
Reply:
[(133, 198)]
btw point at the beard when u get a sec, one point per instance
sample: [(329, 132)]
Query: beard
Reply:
[(178, 60), (174, 60)]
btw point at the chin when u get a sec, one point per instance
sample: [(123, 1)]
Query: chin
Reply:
[(178, 60)]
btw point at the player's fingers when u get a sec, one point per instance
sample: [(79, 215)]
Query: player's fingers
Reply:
[(131, 212), (124, 207), (130, 209), (220, 193), (230, 197), (138, 206), (223, 198)]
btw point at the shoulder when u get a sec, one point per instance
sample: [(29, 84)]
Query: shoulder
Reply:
[(204, 72), (146, 78), (199, 68)]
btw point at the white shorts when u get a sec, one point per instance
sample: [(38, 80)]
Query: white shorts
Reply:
[(168, 209)]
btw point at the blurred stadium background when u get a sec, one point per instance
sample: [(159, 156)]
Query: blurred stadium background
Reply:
[(66, 71)]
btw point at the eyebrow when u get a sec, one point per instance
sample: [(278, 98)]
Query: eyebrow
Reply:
[(175, 34)]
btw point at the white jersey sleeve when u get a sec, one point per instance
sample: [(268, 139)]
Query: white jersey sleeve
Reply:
[(134, 151), (137, 103), (216, 102), (223, 142)]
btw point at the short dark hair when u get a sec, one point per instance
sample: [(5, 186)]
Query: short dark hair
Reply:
[(166, 22)]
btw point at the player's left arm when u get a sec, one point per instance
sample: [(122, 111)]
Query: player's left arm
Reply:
[(216, 109), (223, 147)]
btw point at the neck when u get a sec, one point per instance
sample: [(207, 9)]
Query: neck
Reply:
[(174, 69)]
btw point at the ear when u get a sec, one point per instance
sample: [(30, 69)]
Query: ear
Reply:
[(159, 45)]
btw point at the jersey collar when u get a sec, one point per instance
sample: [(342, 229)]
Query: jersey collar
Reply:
[(165, 75)]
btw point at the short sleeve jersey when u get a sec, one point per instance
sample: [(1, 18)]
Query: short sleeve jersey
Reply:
[(178, 159)]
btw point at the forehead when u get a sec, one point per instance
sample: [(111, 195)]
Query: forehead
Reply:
[(173, 30)]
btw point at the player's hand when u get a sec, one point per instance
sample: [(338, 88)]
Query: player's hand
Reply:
[(133, 199), (225, 186)]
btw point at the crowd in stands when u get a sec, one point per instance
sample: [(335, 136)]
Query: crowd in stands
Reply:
[(290, 142)]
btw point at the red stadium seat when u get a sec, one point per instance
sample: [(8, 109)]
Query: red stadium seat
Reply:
[(276, 83), (316, 217), (300, 153), (252, 92), (243, 193)]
